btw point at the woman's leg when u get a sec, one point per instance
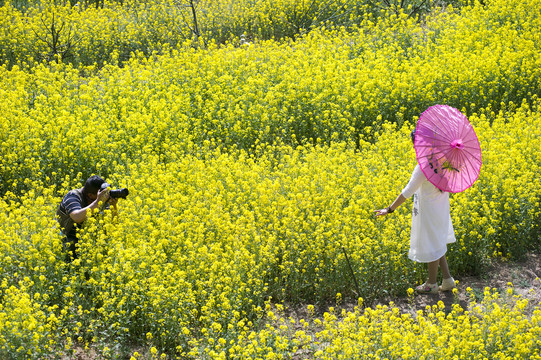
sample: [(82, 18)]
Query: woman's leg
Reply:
[(431, 285), (444, 268), (433, 271), (448, 282)]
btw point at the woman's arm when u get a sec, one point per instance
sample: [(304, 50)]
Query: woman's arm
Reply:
[(399, 201), (417, 178)]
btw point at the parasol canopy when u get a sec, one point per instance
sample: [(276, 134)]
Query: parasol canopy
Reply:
[(447, 148)]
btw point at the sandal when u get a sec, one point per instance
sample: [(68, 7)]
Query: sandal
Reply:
[(427, 288), (448, 284)]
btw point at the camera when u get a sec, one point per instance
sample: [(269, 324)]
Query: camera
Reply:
[(116, 194)]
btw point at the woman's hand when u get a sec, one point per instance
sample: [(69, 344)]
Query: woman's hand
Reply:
[(382, 212), (399, 201)]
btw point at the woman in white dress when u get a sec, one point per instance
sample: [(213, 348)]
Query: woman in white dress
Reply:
[(431, 228)]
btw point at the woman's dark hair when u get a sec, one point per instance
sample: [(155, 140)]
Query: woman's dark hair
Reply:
[(93, 184), (412, 135)]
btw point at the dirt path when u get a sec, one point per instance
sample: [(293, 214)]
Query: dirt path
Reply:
[(525, 277)]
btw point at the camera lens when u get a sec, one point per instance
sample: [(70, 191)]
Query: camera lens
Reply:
[(120, 193)]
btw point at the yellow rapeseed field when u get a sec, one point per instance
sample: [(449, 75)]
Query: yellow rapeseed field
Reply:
[(253, 169)]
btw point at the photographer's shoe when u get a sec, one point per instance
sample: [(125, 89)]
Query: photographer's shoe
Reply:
[(448, 284), (427, 288)]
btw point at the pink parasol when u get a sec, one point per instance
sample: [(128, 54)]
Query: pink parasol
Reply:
[(447, 148)]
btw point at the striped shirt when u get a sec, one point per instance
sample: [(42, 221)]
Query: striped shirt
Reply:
[(74, 200)]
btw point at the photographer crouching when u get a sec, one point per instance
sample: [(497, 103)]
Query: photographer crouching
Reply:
[(72, 211)]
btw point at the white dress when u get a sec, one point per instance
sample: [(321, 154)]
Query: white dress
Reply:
[(431, 225)]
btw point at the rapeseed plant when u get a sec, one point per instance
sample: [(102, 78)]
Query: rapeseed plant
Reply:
[(251, 169), (203, 241)]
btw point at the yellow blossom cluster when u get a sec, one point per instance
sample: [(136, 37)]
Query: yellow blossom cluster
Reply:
[(204, 240), (79, 32), (333, 79), (331, 85), (498, 327), (253, 174)]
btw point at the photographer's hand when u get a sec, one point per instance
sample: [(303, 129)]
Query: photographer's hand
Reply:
[(103, 196)]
